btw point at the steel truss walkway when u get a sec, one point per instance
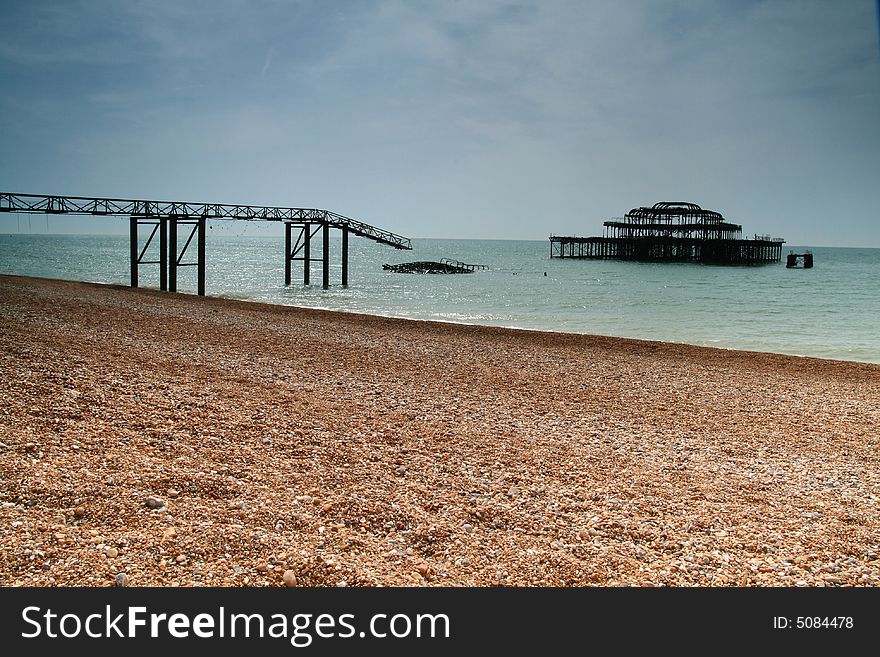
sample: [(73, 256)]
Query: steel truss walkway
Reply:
[(166, 216)]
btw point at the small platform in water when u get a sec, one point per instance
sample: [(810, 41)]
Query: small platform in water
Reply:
[(799, 260), (427, 267)]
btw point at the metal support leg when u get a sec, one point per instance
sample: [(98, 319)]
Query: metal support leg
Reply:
[(307, 252), (202, 259), (326, 268), (345, 257), (133, 233), (163, 253), (172, 252), (287, 229)]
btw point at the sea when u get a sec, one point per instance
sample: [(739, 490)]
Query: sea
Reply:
[(830, 311)]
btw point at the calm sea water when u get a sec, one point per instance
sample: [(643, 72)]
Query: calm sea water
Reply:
[(830, 311)]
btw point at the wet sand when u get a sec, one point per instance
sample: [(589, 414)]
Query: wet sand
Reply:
[(354, 450)]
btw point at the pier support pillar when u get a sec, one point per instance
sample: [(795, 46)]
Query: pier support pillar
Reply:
[(163, 253), (325, 235), (133, 236), (287, 232), (172, 252), (345, 256), (307, 252), (202, 260)]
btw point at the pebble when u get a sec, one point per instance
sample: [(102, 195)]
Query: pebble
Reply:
[(172, 492), (111, 553), (327, 508), (79, 511), (658, 533), (289, 578), (180, 558), (121, 580), (154, 502)]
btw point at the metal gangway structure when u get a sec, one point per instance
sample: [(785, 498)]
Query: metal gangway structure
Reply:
[(463, 265), (166, 218)]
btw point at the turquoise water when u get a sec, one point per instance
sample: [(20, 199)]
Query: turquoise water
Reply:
[(830, 311)]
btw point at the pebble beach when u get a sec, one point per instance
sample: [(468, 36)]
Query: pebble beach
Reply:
[(156, 439)]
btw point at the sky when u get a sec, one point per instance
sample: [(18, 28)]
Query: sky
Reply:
[(458, 119)]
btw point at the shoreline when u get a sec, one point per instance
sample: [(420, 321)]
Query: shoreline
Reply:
[(270, 305), (365, 450)]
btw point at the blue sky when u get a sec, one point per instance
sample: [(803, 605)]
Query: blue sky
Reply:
[(453, 119)]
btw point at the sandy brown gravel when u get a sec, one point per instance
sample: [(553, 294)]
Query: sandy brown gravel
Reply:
[(352, 450)]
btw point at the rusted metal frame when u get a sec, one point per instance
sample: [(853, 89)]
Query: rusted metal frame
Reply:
[(325, 265), (201, 276), (140, 258), (133, 250), (288, 227), (199, 226), (178, 258), (172, 250), (307, 253), (137, 256), (365, 230), (163, 253), (345, 256), (10, 202), (302, 245)]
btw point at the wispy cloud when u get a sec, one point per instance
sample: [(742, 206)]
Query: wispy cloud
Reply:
[(491, 118), (267, 62)]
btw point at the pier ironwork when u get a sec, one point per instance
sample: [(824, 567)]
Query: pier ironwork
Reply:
[(167, 216), (671, 231)]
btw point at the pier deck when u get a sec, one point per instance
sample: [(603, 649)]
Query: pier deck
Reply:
[(667, 249)]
